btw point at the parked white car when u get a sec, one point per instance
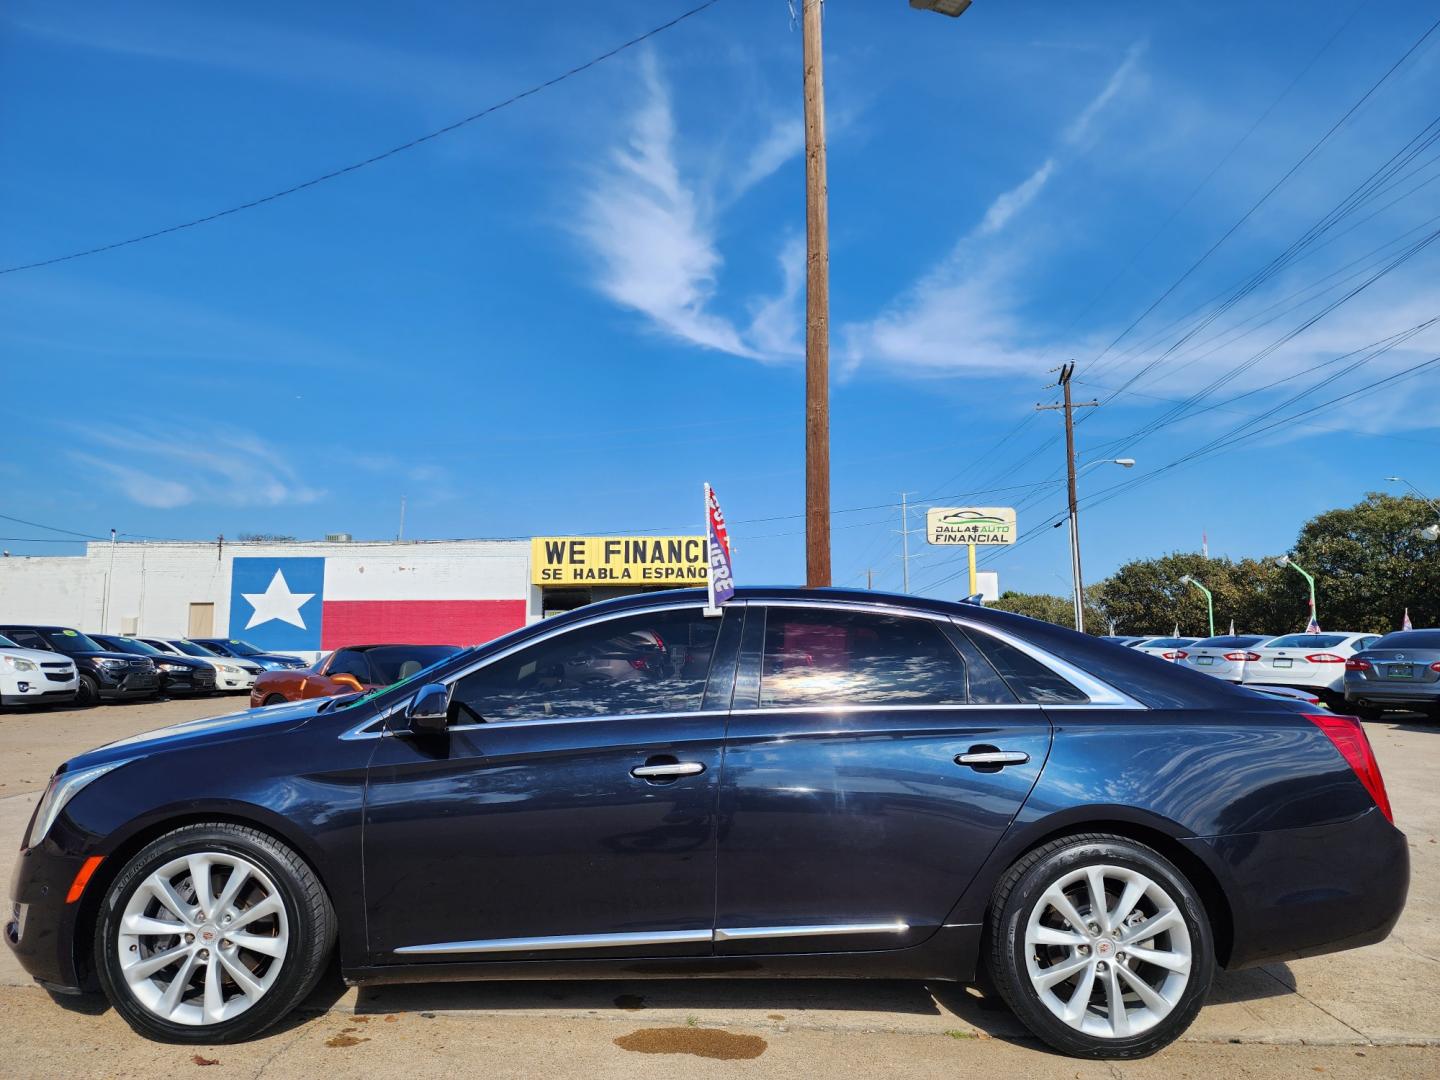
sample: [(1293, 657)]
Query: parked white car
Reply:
[(33, 677), (1307, 661), (230, 674), (1224, 657), (1167, 648)]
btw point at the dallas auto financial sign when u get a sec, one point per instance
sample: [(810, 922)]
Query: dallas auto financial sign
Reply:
[(977, 525)]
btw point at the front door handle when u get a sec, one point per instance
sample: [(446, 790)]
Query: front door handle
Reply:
[(668, 771), (990, 759)]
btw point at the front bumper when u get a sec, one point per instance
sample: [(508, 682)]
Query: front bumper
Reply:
[(1302, 892), (39, 925), (233, 682), (131, 684), (187, 682)]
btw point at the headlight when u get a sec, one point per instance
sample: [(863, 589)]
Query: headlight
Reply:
[(64, 787), (229, 670), (19, 663), (110, 661), (165, 666)]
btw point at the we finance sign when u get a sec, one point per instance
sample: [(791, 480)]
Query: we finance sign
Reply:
[(619, 560)]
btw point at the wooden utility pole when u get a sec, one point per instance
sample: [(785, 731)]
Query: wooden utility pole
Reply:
[(1066, 371), (817, 309)]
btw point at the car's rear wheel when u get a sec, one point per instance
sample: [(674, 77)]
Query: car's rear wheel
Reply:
[(1101, 946), (211, 934)]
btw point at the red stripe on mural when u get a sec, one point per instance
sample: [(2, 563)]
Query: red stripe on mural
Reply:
[(418, 622)]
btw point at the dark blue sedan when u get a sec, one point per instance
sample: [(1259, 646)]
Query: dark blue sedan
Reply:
[(815, 783)]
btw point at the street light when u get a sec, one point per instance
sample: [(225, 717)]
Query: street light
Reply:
[(1285, 560), (1186, 579), (1429, 532), (953, 8), (1429, 501)]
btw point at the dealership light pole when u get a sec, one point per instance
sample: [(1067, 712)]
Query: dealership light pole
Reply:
[(1429, 501), (817, 289), (1186, 579), (1285, 560)]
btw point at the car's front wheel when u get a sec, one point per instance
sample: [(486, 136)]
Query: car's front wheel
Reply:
[(211, 934), (1101, 946)]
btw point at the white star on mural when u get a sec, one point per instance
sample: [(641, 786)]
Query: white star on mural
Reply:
[(277, 602)]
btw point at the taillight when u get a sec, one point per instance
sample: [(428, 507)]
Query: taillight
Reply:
[(1357, 665), (1349, 738), (1178, 654), (1435, 666), (1325, 658), (1242, 656)]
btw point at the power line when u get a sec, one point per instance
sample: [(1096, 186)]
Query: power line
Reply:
[(375, 158)]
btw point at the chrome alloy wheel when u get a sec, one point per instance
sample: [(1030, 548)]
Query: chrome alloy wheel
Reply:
[(1108, 951), (203, 938)]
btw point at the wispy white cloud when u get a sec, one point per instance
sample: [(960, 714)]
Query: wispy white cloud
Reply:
[(1010, 203), (652, 232), (169, 467), (964, 314)]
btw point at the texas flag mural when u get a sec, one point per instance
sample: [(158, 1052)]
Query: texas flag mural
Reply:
[(317, 604)]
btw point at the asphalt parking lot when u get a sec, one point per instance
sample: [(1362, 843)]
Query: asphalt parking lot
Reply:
[(1372, 1012)]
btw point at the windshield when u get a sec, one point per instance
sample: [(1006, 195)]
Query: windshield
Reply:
[(418, 676), (189, 648), (1409, 639), (70, 641), (241, 648), (389, 664), (1306, 641), (130, 645), (4, 641), (1228, 642), (1166, 642)]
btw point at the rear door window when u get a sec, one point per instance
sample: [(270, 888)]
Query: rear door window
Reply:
[(1030, 680), (824, 656)]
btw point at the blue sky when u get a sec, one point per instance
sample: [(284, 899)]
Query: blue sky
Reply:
[(566, 316)]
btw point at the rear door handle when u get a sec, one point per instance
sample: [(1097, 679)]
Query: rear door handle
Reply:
[(995, 759), (669, 771)]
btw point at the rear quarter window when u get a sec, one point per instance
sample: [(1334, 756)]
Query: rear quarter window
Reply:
[(1028, 679)]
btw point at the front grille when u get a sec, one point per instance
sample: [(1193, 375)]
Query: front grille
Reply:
[(60, 676), (49, 666), (141, 664)]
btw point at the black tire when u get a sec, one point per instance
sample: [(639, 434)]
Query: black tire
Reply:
[(275, 699), (88, 696), (308, 911), (1364, 712), (1022, 889)]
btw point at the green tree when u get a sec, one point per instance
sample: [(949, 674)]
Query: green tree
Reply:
[(1370, 565), (1059, 610)]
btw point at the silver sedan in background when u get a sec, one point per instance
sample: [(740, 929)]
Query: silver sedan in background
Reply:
[(1225, 656)]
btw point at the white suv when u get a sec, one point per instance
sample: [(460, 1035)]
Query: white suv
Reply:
[(33, 677)]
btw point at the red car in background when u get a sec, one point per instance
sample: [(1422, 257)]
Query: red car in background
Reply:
[(347, 670)]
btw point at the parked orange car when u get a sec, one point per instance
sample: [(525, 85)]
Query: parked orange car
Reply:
[(347, 670)]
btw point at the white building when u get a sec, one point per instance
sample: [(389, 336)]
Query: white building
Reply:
[(308, 597)]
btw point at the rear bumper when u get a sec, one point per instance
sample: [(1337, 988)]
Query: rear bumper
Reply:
[(1303, 892), (1334, 681), (1397, 693)]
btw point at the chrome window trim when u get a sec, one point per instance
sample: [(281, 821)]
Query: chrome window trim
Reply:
[(1101, 694), (880, 707), (654, 937)]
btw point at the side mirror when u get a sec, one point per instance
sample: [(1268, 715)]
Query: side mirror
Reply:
[(429, 711), (347, 680)]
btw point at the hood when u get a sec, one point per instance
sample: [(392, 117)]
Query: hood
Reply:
[(107, 655), (252, 723), (193, 662), (36, 656)]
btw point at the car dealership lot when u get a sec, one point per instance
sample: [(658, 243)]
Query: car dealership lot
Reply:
[(1383, 1001)]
